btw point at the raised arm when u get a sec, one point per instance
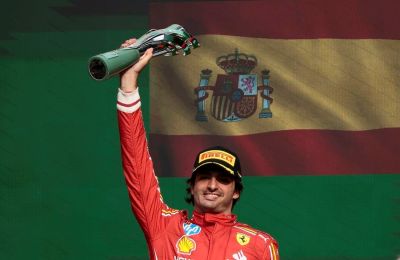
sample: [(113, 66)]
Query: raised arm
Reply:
[(143, 188)]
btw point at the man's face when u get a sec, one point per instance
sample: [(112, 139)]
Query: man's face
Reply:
[(213, 192)]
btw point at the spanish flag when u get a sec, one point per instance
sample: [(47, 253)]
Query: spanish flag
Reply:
[(294, 87)]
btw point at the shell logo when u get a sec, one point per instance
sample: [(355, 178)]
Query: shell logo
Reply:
[(186, 245)]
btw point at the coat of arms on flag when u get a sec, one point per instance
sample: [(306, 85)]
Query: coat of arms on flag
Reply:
[(235, 93)]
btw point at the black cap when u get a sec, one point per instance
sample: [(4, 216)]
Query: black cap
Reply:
[(220, 156)]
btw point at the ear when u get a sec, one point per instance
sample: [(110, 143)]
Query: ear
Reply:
[(191, 189), (236, 195)]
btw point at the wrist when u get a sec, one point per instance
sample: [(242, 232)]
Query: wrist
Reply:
[(129, 82), (128, 102)]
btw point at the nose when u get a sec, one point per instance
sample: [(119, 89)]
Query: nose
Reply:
[(212, 183)]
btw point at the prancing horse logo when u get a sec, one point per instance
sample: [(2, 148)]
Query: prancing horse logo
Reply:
[(242, 239)]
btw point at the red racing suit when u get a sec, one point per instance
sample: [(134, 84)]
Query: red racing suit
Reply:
[(170, 235)]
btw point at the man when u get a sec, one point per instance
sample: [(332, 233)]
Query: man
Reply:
[(214, 187)]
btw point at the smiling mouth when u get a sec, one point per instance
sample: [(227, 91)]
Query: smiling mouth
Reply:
[(211, 196)]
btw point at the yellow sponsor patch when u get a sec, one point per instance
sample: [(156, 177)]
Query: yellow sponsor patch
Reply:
[(219, 155), (242, 239), (169, 212), (186, 245)]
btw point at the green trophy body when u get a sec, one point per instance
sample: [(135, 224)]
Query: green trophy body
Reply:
[(106, 65), (166, 42)]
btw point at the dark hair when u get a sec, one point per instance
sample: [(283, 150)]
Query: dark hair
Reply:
[(190, 182)]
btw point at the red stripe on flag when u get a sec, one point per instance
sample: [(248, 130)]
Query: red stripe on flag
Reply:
[(293, 152), (283, 19)]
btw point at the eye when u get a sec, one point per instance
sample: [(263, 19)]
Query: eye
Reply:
[(224, 179), (202, 176)]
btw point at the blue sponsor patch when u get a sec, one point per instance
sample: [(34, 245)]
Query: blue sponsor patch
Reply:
[(191, 229)]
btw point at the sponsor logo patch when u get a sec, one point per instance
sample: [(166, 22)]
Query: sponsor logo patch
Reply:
[(180, 258), (242, 239), (191, 229), (185, 245), (169, 212), (219, 155), (239, 256)]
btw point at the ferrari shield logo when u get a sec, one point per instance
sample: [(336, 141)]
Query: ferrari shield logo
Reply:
[(242, 239), (235, 94)]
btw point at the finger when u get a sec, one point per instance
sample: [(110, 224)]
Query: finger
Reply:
[(125, 44), (128, 42), (150, 51), (131, 41), (144, 59), (147, 55)]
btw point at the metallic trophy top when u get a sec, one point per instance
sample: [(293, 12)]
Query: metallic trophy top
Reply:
[(168, 41)]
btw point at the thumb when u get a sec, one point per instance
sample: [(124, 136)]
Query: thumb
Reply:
[(148, 54), (144, 59)]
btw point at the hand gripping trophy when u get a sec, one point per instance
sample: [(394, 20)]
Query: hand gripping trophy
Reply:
[(167, 42)]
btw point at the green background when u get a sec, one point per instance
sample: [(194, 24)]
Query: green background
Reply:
[(62, 194)]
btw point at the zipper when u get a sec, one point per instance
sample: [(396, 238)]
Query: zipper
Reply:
[(227, 244), (211, 242)]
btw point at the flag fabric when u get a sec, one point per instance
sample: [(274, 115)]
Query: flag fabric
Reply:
[(294, 87)]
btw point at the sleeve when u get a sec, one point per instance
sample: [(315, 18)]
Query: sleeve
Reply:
[(144, 192), (268, 246)]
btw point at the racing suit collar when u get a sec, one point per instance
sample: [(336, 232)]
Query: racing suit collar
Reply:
[(203, 219)]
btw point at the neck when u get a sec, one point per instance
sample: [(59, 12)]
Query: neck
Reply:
[(204, 211), (210, 218)]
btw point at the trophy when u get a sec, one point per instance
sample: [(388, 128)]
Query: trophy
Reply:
[(167, 42)]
